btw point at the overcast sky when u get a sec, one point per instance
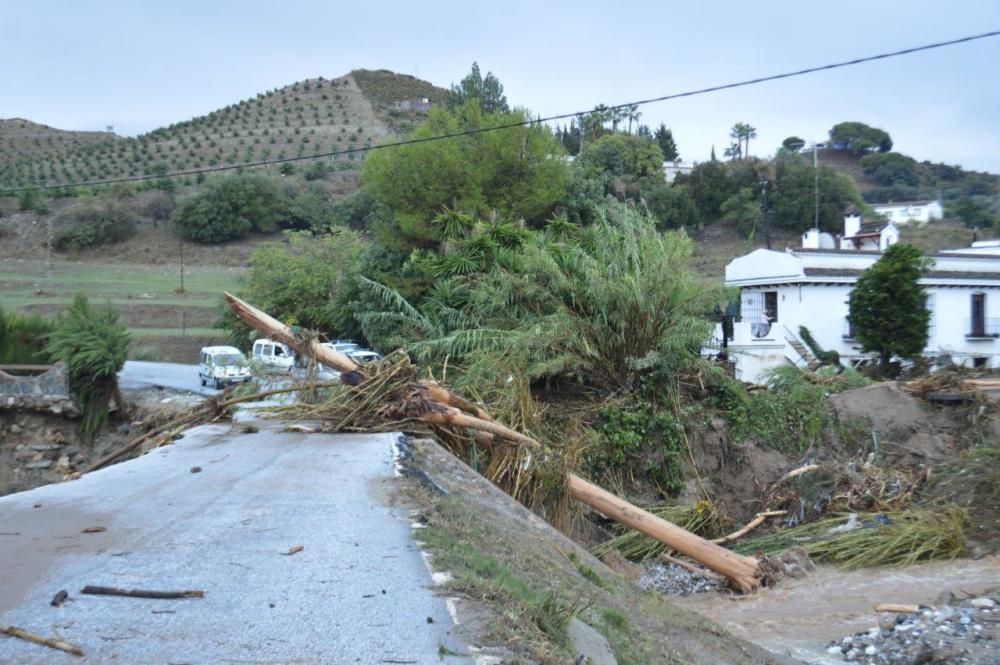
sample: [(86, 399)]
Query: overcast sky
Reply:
[(139, 65)]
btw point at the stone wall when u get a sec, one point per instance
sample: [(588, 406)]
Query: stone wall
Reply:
[(37, 448), (47, 392)]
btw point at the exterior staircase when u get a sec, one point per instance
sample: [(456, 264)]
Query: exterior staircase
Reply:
[(800, 348)]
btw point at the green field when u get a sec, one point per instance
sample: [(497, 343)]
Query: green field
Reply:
[(148, 294)]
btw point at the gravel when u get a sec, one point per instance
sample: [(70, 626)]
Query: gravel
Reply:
[(673, 580), (965, 633)]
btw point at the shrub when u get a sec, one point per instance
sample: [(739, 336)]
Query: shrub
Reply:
[(22, 338), (230, 208), (94, 224), (93, 344)]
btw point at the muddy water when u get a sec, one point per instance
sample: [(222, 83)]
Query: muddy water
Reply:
[(800, 617)]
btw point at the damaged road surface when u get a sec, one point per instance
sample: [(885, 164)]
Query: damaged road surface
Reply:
[(292, 538)]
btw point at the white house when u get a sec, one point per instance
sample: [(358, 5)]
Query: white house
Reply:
[(910, 211), (672, 169), (781, 291)]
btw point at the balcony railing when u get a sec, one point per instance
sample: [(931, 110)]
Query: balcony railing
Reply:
[(982, 328)]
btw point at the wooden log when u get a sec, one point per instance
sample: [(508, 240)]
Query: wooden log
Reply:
[(899, 609), (452, 417), (276, 330), (140, 593), (51, 642), (750, 526), (743, 572)]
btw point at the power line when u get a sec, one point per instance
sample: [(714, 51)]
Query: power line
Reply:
[(524, 123)]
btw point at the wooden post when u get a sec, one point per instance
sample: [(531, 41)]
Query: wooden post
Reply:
[(742, 571)]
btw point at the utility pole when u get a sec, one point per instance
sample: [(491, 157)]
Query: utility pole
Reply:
[(182, 266), (766, 210), (48, 225), (816, 187)]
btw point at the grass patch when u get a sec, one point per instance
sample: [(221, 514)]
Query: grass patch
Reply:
[(538, 617)]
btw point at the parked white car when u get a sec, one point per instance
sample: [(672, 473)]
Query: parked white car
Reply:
[(364, 356), (222, 365), (273, 354)]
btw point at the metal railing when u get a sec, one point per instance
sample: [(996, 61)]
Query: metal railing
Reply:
[(982, 328)]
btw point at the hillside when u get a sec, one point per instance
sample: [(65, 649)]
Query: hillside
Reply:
[(312, 116)]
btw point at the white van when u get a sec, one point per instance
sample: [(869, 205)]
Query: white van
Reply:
[(221, 365), (273, 354)]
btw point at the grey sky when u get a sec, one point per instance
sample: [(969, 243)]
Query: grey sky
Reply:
[(140, 65)]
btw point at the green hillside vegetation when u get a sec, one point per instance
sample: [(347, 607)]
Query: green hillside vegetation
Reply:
[(312, 116)]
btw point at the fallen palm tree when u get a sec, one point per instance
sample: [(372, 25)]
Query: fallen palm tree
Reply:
[(390, 394), (873, 539)]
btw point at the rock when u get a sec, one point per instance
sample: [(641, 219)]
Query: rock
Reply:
[(887, 621), (15, 428), (41, 464), (870, 650), (946, 599), (982, 603), (590, 644), (834, 651)]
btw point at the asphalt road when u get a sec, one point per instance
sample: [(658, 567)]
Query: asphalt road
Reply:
[(358, 591), (138, 374)]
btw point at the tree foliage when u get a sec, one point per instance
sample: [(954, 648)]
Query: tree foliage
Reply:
[(94, 223), (514, 172), (93, 343), (604, 305), (230, 207), (744, 210), (891, 168), (794, 195), (793, 143), (888, 305), (665, 139), (489, 92), (860, 138), (307, 280), (672, 206), (631, 157)]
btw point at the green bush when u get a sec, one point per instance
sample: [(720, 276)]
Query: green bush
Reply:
[(230, 208), (22, 338), (632, 436), (93, 343), (94, 224)]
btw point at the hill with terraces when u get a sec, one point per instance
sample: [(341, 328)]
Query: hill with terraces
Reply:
[(314, 116)]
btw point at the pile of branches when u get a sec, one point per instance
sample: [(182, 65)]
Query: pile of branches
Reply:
[(826, 488)]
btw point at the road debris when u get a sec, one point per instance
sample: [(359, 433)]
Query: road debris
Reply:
[(51, 642), (966, 634), (294, 549), (59, 598), (195, 469), (94, 529), (140, 593)]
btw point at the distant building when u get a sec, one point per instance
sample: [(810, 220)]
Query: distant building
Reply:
[(672, 169), (910, 211), (862, 235), (421, 104)]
